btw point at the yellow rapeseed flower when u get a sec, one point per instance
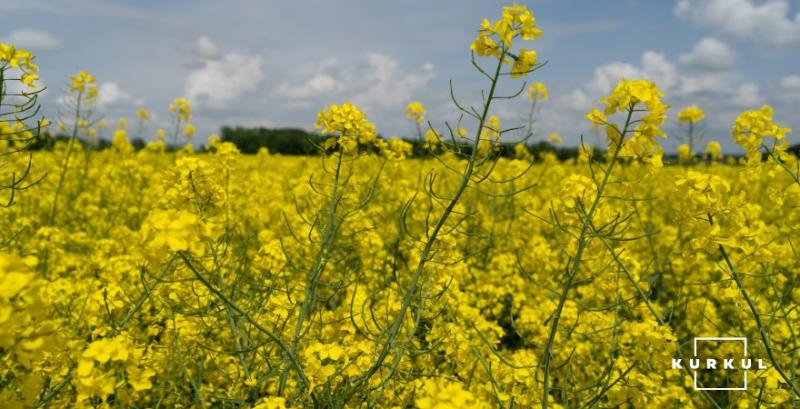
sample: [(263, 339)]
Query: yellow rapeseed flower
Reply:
[(691, 114), (415, 111)]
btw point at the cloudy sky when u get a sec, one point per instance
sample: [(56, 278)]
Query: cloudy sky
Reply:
[(276, 63)]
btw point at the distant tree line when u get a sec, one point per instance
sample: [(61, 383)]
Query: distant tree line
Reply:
[(286, 141), (293, 141), (46, 141)]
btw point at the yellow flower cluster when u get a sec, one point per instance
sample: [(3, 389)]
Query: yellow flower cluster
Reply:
[(14, 57), (105, 302), (538, 92), (496, 39), (349, 123), (437, 394), (83, 82), (182, 108), (26, 333), (215, 279), (415, 111), (684, 152), (714, 150), (143, 115), (394, 149), (170, 230), (107, 360), (691, 114), (751, 128), (626, 96)]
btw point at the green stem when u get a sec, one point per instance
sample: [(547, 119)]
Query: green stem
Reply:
[(292, 358), (394, 330), (791, 173), (583, 241), (54, 392), (147, 292), (761, 328), (314, 274), (66, 159), (2, 84), (646, 300)]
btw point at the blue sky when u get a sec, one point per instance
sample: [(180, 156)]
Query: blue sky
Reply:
[(276, 63)]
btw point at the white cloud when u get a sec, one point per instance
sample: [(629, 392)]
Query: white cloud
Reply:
[(31, 39), (219, 82), (764, 23), (110, 93), (721, 93), (576, 100), (654, 67), (747, 95), (709, 54), (376, 82), (791, 83), (206, 48), (787, 91), (678, 85), (388, 86), (325, 80), (707, 82), (560, 114)]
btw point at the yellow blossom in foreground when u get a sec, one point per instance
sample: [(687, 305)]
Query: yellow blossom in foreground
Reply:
[(171, 230), (597, 117), (638, 143), (684, 152), (521, 152), (714, 150), (17, 58), (447, 395), (349, 122), (224, 279), (691, 114), (182, 108), (751, 128), (394, 149), (415, 111), (82, 81), (538, 92), (523, 63), (189, 130), (432, 139), (29, 79), (271, 402), (517, 21)]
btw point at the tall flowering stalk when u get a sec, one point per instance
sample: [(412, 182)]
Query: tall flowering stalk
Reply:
[(83, 90), (693, 117), (633, 139), (349, 128), (494, 40), (17, 106), (183, 113), (753, 129)]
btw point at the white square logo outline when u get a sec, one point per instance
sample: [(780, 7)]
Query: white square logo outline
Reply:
[(694, 373)]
